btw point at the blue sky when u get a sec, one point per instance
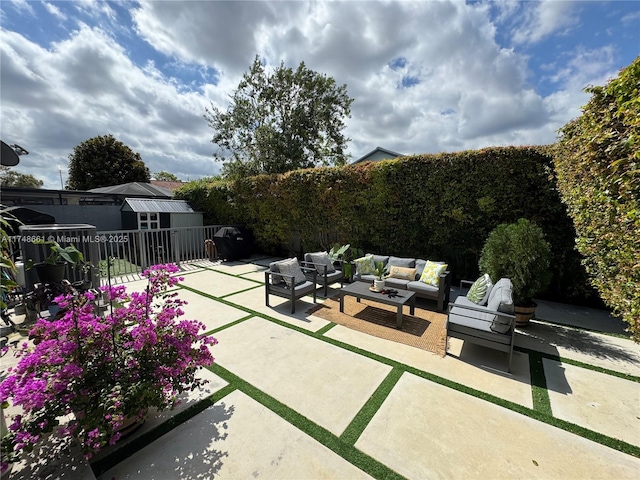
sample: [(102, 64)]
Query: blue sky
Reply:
[(425, 76)]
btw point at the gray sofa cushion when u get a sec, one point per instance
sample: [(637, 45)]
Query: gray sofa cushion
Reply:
[(396, 283), (400, 262), (501, 300), (366, 278), (423, 289), (380, 258), (419, 267), (470, 318)]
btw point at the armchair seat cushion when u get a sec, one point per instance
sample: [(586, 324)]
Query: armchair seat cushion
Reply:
[(334, 277), (301, 289)]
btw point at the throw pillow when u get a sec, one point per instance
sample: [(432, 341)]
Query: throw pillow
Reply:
[(291, 266), (402, 273), (479, 291), (321, 259), (365, 265), (431, 273)]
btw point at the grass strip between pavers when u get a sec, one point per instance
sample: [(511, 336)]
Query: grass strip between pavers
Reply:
[(539, 392), (532, 413), (224, 327), (240, 291), (124, 452), (366, 413), (325, 329), (577, 363), (345, 450)]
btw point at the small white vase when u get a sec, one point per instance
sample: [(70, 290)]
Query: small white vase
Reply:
[(378, 285)]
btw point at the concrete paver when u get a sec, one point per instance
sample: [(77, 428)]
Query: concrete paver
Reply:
[(614, 353), (280, 308), (584, 397), (208, 311), (515, 387), (325, 383), (425, 430), (235, 438), (214, 284)]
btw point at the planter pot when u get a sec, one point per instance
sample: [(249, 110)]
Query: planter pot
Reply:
[(50, 273), (378, 284), (129, 426), (524, 314)]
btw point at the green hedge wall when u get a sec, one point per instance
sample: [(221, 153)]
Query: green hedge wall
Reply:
[(438, 207), (597, 160)]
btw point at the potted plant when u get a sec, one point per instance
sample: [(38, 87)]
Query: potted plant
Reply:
[(85, 376), (518, 251), (345, 254), (51, 270), (379, 272)]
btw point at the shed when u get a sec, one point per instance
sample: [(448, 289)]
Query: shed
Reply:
[(378, 154), (152, 214)]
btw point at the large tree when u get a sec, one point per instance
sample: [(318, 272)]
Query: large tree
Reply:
[(281, 121), (102, 162), (597, 164), (11, 178)]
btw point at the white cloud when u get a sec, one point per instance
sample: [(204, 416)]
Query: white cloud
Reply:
[(455, 88), (545, 18), (87, 86), (55, 11)]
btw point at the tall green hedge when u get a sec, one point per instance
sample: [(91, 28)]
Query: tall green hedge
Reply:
[(598, 165), (438, 207)]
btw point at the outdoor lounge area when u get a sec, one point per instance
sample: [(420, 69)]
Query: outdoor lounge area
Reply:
[(297, 396)]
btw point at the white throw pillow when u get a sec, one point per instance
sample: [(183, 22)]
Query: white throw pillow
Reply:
[(480, 290)]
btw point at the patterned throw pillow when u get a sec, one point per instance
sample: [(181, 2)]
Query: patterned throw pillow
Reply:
[(431, 273), (479, 291), (321, 259), (365, 265), (402, 273), (291, 266)]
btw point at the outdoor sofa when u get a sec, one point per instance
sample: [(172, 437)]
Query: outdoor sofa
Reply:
[(489, 323), (439, 293)]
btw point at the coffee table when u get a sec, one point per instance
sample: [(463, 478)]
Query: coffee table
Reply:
[(361, 290)]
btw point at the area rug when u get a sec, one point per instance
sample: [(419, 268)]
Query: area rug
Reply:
[(425, 329)]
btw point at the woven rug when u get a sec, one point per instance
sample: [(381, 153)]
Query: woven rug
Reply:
[(425, 329)]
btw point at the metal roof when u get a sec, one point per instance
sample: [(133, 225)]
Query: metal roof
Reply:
[(160, 206), (135, 188), (391, 154)]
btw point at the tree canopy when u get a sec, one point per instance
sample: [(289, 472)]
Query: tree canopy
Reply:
[(102, 162), (11, 178), (165, 177), (281, 121), (597, 162)]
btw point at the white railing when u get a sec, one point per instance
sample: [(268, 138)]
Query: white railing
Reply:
[(126, 252)]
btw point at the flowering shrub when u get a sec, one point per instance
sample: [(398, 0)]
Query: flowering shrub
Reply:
[(103, 370)]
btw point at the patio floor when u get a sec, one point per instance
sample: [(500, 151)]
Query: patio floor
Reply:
[(297, 397)]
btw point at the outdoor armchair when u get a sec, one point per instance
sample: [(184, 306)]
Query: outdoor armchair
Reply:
[(289, 285), (326, 271)]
